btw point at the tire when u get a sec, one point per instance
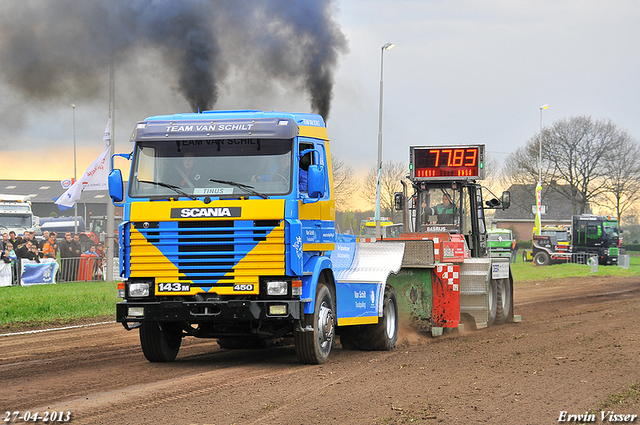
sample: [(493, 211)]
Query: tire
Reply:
[(541, 259), (160, 341), (492, 297), (384, 335), (503, 308), (313, 347), (379, 337)]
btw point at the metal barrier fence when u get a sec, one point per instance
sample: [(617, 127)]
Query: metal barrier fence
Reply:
[(81, 269), (87, 268), (584, 258), (624, 261)]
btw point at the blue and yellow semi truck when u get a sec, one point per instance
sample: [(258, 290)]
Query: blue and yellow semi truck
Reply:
[(228, 233)]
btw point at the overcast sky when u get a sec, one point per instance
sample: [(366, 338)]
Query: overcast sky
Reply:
[(462, 72)]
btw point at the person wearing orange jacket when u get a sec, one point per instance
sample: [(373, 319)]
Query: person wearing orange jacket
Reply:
[(50, 246)]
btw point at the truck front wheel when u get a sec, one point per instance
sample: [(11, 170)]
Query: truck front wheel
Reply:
[(160, 341), (313, 343), (541, 259)]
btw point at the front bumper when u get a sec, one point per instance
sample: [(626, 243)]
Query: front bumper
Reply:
[(208, 311)]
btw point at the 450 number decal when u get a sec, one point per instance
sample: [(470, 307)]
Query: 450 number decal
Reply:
[(243, 287)]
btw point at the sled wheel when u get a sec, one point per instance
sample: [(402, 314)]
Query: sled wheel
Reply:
[(383, 335), (503, 308), (492, 298), (160, 341), (313, 343)]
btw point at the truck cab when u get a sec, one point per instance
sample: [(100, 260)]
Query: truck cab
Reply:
[(500, 242), (16, 214)]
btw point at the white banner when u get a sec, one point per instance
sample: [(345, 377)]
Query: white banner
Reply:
[(5, 274)]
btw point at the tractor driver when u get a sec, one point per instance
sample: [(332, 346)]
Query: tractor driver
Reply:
[(445, 211)]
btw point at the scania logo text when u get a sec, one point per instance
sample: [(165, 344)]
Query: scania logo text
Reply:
[(206, 212)]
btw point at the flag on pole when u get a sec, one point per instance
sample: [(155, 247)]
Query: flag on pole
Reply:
[(94, 177), (99, 179), (538, 208)]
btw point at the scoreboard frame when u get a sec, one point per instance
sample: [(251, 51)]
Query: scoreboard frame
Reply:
[(455, 162)]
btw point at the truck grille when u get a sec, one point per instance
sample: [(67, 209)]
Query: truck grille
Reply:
[(206, 253)]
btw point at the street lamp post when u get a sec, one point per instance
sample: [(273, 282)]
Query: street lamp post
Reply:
[(387, 46), (542, 108), (75, 177)]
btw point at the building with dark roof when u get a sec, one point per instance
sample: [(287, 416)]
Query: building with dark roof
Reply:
[(520, 216), (43, 193)]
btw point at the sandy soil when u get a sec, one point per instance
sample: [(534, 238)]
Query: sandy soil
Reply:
[(575, 351)]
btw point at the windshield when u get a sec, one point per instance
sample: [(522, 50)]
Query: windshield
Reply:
[(610, 228), (13, 208), (499, 237), (561, 235), (15, 221), (189, 165)]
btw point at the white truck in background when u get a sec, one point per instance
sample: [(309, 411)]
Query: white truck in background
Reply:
[(16, 214)]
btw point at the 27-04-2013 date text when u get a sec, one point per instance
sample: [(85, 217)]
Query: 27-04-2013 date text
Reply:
[(46, 417)]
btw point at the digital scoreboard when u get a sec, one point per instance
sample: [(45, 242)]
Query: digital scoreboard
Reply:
[(447, 162)]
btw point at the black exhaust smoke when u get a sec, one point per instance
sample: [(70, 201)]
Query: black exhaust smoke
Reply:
[(51, 49)]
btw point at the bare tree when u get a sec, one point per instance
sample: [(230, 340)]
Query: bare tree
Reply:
[(344, 184), (572, 160), (622, 174), (392, 173)]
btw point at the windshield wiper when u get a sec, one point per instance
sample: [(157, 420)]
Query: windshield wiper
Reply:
[(245, 187), (176, 189)]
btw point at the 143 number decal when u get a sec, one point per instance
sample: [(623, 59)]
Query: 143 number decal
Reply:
[(173, 287)]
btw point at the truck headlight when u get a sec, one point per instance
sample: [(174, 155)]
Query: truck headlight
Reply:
[(277, 287), (139, 289)]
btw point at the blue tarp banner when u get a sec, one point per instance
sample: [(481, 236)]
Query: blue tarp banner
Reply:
[(34, 273)]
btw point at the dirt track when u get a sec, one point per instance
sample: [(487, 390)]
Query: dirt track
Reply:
[(576, 348)]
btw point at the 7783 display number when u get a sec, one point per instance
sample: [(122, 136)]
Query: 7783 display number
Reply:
[(37, 416)]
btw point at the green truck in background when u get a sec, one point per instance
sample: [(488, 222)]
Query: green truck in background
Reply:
[(499, 242)]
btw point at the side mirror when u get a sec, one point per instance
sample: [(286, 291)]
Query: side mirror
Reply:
[(116, 191), (315, 180), (506, 199), (398, 201)]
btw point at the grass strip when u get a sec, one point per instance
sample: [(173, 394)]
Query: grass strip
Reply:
[(61, 302), (527, 271)]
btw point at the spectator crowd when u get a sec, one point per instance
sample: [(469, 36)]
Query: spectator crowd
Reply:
[(14, 248)]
